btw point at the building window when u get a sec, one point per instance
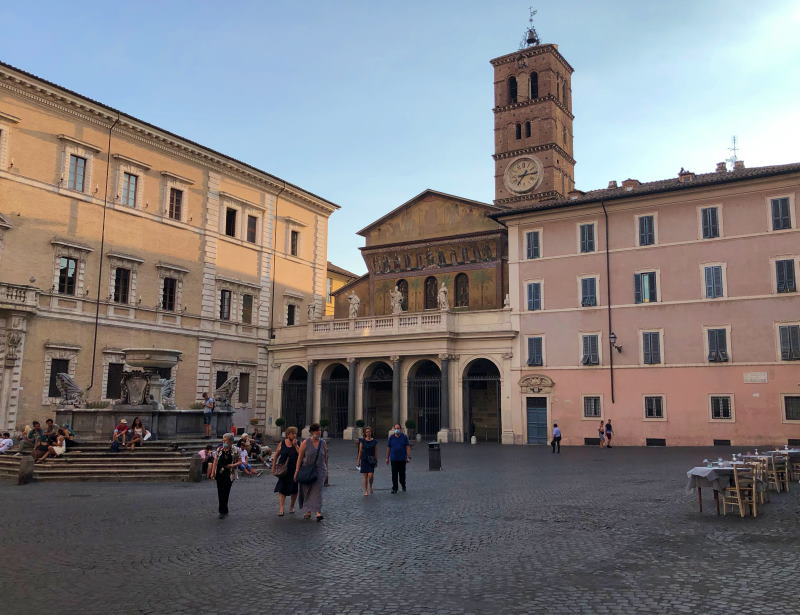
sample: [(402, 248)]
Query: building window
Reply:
[(294, 243), (534, 85), (709, 218), (402, 287), (644, 287), (785, 277), (517, 131), (790, 342), (647, 230), (587, 243), (533, 245), (512, 90), (462, 290), (431, 292), (175, 203), (122, 285), (534, 296), (591, 406), (114, 381), (230, 222), (57, 366), (328, 290), (591, 350), (654, 407), (77, 173), (129, 185), (527, 129), (252, 225), (791, 407), (224, 304), (717, 346), (535, 351), (588, 292), (721, 407), (244, 388), (220, 379), (67, 275), (651, 347), (169, 291), (781, 216), (291, 315), (247, 309), (713, 282)]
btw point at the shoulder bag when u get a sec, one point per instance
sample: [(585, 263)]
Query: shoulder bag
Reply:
[(281, 469), (308, 473)]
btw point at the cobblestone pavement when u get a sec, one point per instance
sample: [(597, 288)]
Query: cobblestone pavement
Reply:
[(500, 530)]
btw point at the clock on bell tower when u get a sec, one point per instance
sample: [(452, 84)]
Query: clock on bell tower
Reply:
[(532, 124)]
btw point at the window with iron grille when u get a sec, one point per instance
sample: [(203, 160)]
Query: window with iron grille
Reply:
[(224, 304), (587, 238), (785, 276), (534, 296), (169, 292), (252, 225), (717, 346), (230, 222), (220, 379), (129, 185), (122, 285), (244, 388), (591, 406), (591, 350), (588, 292), (67, 275), (532, 244), (247, 309), (77, 172), (57, 366), (654, 407), (713, 280), (644, 287), (709, 217), (535, 355), (790, 342), (781, 215), (651, 347), (791, 407), (175, 203), (721, 407), (294, 242), (647, 230), (114, 381), (291, 315)]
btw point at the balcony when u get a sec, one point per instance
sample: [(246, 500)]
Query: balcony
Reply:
[(18, 297)]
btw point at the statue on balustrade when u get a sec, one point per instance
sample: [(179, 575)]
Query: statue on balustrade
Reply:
[(442, 298), (355, 304), (312, 311), (396, 300)]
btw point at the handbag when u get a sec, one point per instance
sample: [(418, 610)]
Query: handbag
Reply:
[(308, 473), (281, 469)]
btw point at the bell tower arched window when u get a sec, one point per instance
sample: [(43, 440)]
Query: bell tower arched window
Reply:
[(512, 90), (534, 85), (431, 290), (462, 290), (402, 286), (517, 131), (564, 91), (527, 129)]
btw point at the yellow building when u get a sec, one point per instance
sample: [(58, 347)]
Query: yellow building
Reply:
[(115, 233), (337, 278)]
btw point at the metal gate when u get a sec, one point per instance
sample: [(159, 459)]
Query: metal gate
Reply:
[(334, 405), (490, 385), (294, 403), (537, 420), (376, 387), (424, 404)]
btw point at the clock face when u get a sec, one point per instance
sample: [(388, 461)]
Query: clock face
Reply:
[(523, 175)]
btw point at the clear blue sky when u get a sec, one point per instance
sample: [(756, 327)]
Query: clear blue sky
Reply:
[(367, 103)]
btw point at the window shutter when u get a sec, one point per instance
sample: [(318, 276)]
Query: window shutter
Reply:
[(533, 244), (794, 342), (637, 288), (535, 351), (534, 296), (709, 282), (791, 284), (652, 294), (706, 220), (717, 275), (594, 355), (780, 276)]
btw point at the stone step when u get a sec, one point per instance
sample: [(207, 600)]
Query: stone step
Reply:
[(115, 458), (94, 477), (42, 468), (102, 470)]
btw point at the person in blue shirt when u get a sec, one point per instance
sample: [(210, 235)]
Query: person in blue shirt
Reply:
[(556, 438), (399, 453)]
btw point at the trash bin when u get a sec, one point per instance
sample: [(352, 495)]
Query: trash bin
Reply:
[(434, 456)]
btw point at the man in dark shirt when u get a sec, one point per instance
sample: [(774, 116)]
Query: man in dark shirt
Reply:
[(609, 433), (399, 453)]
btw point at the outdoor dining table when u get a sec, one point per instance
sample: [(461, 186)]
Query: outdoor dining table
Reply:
[(716, 477)]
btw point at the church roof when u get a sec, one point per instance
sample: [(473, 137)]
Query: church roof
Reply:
[(420, 196), (683, 181)]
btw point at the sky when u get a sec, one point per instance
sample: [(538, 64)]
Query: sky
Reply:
[(368, 103)]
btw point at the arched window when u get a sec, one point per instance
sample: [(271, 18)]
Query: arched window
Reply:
[(402, 286), (518, 131), (431, 290), (527, 129), (564, 91), (558, 85), (462, 290), (512, 90), (534, 83)]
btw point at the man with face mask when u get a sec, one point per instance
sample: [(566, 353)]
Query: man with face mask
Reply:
[(399, 453)]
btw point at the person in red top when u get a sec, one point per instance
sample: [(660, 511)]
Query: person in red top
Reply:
[(121, 433)]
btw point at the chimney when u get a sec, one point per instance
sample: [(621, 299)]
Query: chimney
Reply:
[(722, 167), (685, 176), (612, 184), (738, 165), (629, 184)]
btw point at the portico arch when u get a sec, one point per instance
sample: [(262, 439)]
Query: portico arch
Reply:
[(378, 398), (481, 401), (424, 397), (293, 400), (333, 398)]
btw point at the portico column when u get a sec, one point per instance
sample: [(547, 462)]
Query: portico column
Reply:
[(352, 380), (310, 386), (396, 366), (444, 417)]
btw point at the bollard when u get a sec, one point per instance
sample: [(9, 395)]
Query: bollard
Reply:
[(25, 470), (434, 456), (196, 469)]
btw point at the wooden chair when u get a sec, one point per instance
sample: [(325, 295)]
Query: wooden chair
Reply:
[(782, 471), (795, 467), (759, 467), (773, 481), (742, 495)]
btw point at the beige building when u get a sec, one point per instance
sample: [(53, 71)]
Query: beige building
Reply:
[(336, 278), (115, 233)]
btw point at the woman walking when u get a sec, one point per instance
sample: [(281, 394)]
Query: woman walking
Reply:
[(312, 469), (224, 470), (601, 431), (286, 457), (366, 459)]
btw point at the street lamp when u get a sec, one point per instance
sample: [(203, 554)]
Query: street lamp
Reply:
[(612, 339)]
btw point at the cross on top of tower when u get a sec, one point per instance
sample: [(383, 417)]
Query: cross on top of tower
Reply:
[(530, 38)]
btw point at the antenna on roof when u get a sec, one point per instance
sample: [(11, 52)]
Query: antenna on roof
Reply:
[(734, 150), (530, 38)]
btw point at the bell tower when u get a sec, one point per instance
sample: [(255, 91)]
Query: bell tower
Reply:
[(532, 124)]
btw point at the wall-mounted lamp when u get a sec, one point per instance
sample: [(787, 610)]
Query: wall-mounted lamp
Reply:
[(11, 164), (612, 339)]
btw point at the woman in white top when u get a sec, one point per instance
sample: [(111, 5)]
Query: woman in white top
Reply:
[(57, 448), (136, 433)]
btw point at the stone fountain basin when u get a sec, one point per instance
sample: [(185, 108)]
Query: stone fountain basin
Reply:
[(151, 357)]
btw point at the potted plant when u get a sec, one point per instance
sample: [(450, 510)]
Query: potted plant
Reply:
[(280, 422), (360, 424), (411, 425), (324, 424)]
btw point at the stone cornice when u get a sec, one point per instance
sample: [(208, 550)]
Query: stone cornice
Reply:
[(432, 241), (178, 268), (80, 143), (133, 161), (177, 177), (533, 149), (125, 257), (539, 196), (7, 117), (238, 199), (70, 244), (530, 52), (534, 101)]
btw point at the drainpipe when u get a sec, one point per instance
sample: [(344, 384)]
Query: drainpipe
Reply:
[(608, 307), (102, 248)]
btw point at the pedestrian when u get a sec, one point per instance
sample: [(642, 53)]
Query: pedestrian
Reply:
[(209, 403), (601, 431), (224, 471), (6, 443), (311, 471), (207, 456), (609, 433), (56, 446), (398, 451), (120, 437), (32, 435), (367, 459), (556, 438), (137, 433), (284, 465)]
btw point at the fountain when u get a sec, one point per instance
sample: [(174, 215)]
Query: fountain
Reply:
[(145, 387)]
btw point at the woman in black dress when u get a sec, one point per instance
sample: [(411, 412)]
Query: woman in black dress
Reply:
[(367, 459), (286, 453), (224, 471)]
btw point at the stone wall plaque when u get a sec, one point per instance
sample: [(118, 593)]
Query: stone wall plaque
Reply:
[(755, 377), (536, 383)]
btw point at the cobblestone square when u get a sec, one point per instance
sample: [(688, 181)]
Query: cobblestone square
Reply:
[(500, 529)]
